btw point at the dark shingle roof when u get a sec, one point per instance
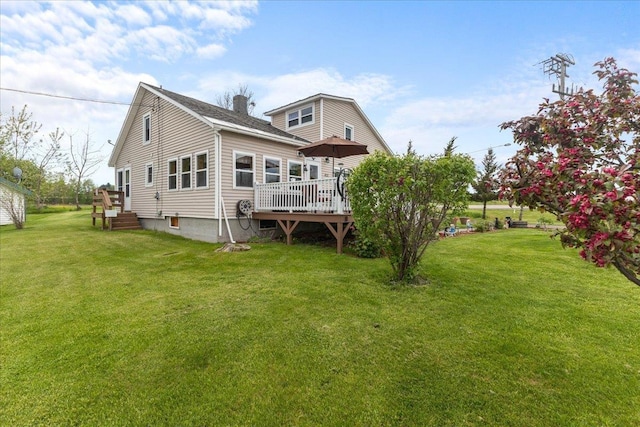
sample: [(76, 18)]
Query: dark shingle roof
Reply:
[(215, 112), (17, 187)]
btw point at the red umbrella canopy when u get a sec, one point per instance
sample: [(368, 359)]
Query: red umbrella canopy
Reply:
[(335, 147)]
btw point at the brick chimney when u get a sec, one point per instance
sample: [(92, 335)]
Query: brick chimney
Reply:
[(240, 104)]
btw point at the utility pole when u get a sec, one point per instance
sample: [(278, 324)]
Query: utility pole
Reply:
[(558, 65)]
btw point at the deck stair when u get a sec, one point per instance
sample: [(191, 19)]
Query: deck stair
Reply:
[(108, 205), (125, 221)]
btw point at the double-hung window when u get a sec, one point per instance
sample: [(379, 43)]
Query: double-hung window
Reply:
[(185, 172), (271, 170), (202, 175), (295, 171), (172, 174), (243, 169), (348, 132), (300, 117), (148, 175), (146, 128)]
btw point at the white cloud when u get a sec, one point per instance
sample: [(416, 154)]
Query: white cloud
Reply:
[(86, 49), (211, 51), (133, 15)]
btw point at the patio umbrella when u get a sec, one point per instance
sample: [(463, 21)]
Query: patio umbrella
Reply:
[(335, 147)]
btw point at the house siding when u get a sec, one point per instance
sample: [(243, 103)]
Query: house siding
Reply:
[(261, 148), (336, 114), (174, 134), (310, 132), (18, 202)]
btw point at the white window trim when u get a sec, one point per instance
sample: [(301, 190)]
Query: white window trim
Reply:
[(299, 111), (353, 131), (177, 174), (180, 173), (264, 168), (146, 141), (120, 179), (148, 183), (173, 226), (253, 170), (295, 162), (194, 167)]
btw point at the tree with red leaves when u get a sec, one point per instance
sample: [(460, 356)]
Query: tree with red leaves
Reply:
[(580, 161)]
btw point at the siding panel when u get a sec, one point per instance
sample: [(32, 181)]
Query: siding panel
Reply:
[(174, 134)]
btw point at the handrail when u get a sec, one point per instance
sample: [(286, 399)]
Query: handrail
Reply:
[(318, 195), (106, 200)]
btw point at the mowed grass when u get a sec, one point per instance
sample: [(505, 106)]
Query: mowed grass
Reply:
[(142, 328)]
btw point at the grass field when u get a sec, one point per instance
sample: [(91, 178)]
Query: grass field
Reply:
[(147, 329)]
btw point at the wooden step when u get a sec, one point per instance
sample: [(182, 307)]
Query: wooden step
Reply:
[(125, 221)]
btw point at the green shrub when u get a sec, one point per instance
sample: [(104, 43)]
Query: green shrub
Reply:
[(366, 248), (482, 226)]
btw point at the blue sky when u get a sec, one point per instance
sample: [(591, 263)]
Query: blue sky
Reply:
[(421, 71)]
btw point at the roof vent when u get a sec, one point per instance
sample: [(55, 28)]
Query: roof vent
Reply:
[(240, 105)]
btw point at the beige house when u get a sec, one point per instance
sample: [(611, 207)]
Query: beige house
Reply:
[(198, 170)]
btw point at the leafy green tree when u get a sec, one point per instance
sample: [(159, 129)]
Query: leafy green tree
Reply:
[(580, 159), (18, 133), (400, 202), (486, 184)]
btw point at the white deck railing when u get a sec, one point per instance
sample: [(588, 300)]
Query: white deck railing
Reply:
[(317, 196)]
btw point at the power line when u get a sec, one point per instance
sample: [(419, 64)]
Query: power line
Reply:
[(66, 97)]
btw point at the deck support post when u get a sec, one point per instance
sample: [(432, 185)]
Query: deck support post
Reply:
[(339, 233), (288, 229), (338, 225)]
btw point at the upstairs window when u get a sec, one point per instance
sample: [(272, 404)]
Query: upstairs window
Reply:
[(271, 170), (172, 174), (348, 132), (300, 117), (243, 169), (202, 180), (146, 128), (185, 172)]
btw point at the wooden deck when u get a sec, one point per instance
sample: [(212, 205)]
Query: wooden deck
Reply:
[(316, 201)]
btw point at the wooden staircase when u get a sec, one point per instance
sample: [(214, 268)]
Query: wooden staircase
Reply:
[(109, 206), (125, 221)]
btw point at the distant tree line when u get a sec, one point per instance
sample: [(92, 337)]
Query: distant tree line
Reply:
[(53, 175)]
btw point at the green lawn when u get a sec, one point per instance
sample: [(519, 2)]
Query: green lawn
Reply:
[(146, 329)]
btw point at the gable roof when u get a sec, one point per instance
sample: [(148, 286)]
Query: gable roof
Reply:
[(317, 96), (213, 115), (15, 187)]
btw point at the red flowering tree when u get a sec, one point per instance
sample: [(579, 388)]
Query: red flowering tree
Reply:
[(580, 160)]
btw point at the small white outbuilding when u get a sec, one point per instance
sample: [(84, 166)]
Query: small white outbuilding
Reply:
[(12, 199)]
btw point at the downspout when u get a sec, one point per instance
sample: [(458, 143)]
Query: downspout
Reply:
[(218, 184), (321, 119)]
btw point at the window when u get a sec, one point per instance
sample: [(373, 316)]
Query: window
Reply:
[(243, 169), (185, 172), (148, 175), (174, 222), (267, 224), (300, 117), (173, 174), (146, 128), (348, 132), (119, 179), (202, 174), (295, 171), (271, 170)]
